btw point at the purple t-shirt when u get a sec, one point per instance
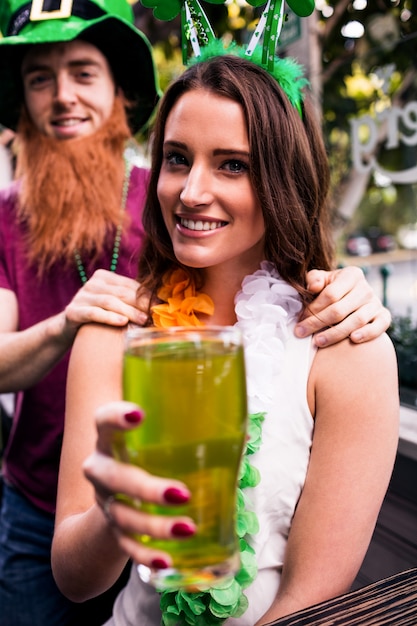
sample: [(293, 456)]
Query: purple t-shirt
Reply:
[(31, 460)]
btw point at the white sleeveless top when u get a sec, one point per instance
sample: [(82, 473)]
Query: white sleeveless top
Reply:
[(285, 450)]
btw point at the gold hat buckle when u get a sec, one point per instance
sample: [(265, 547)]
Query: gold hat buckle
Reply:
[(37, 11)]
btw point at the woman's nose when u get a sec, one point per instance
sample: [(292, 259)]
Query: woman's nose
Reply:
[(197, 189)]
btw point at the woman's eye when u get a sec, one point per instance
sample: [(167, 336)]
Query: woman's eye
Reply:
[(174, 158), (236, 166)]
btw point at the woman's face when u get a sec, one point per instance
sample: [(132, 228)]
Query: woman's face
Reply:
[(207, 200)]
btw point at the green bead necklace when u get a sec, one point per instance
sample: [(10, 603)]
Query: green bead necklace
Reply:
[(118, 235)]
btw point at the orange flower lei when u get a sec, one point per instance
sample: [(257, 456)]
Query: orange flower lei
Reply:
[(181, 302)]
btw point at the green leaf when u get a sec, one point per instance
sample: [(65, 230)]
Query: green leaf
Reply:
[(228, 595)]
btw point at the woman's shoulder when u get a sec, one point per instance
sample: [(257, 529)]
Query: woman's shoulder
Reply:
[(347, 370), (97, 342), (95, 363), (93, 331), (352, 354)]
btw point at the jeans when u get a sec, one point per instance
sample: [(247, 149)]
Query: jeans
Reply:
[(28, 593)]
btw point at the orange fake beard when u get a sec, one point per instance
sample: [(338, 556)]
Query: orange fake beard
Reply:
[(71, 190)]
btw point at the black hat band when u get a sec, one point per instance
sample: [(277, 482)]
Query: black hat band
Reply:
[(80, 8)]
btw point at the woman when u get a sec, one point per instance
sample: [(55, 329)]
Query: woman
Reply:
[(238, 192)]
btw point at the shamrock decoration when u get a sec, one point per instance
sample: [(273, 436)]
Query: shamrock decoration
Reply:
[(302, 8), (163, 9), (168, 9)]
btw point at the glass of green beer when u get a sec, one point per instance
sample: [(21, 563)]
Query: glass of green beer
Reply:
[(191, 384)]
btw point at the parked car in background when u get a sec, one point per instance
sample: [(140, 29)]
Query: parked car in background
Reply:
[(368, 241), (358, 245), (379, 240), (407, 236)]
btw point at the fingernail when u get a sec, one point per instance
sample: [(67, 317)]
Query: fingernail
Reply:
[(321, 341), (141, 317), (182, 529), (134, 417), (159, 563), (300, 331), (173, 495)]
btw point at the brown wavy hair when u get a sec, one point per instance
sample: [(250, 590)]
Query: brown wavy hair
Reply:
[(288, 169)]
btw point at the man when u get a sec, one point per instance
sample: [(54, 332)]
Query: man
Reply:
[(75, 208), (70, 233)]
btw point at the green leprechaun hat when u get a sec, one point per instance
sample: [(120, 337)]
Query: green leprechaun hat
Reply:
[(108, 24)]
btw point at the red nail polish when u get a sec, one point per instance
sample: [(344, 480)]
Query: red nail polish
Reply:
[(159, 563), (182, 529), (134, 417), (173, 495)]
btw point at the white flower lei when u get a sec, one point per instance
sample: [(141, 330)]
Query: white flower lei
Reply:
[(264, 308)]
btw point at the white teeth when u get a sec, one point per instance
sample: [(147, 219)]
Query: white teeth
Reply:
[(200, 225), (71, 122)]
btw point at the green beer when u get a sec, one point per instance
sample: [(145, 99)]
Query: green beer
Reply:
[(191, 385)]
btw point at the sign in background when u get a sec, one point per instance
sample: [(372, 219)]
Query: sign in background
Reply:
[(400, 127)]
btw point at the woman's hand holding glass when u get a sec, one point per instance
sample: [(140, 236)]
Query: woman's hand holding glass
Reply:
[(110, 477)]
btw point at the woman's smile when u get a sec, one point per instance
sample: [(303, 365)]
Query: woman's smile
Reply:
[(197, 224)]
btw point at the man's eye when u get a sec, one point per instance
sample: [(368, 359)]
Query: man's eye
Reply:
[(38, 80), (85, 75)]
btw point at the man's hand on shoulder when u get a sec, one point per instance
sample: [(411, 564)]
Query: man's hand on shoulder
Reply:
[(106, 298), (345, 306)]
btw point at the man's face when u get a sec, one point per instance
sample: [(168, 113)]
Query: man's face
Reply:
[(69, 88)]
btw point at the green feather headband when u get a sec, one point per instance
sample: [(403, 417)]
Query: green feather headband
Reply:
[(287, 72), (197, 32)]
